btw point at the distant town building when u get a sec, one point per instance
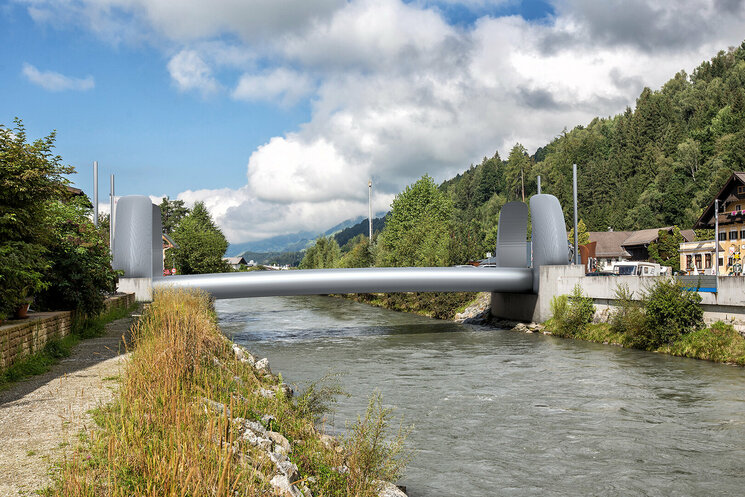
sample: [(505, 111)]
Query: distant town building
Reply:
[(619, 246), (235, 262), (731, 200)]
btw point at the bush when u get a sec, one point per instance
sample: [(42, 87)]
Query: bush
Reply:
[(629, 319), (80, 275), (671, 312), (571, 313)]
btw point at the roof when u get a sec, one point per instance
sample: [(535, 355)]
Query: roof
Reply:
[(234, 260), (169, 241), (705, 245), (609, 243), (707, 218)]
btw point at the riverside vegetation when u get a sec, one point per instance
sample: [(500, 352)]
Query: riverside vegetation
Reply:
[(198, 415), (666, 319)]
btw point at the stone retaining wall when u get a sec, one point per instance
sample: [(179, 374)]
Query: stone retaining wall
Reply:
[(19, 338)]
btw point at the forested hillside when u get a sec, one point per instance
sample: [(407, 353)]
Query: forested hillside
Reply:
[(655, 165)]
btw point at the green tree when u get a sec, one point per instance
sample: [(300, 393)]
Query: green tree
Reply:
[(418, 229), (359, 253), (80, 275), (325, 253), (171, 214), (583, 236), (666, 250), (201, 244), (30, 177), (516, 170)]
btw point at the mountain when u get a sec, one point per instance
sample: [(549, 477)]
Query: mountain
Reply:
[(361, 228), (293, 242)]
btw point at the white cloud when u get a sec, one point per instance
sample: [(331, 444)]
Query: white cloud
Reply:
[(282, 85), (190, 72), (54, 81), (396, 91)]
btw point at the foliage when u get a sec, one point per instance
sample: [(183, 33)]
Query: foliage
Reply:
[(417, 232), (671, 312), (666, 250), (571, 313), (438, 305), (80, 274), (318, 398), (201, 244), (174, 425), (583, 236), (720, 343), (171, 214), (516, 170), (370, 457), (357, 253), (629, 319), (30, 177), (325, 253)]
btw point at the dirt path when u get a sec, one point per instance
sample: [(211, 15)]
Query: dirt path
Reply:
[(41, 416)]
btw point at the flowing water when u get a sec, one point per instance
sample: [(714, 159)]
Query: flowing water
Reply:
[(505, 413)]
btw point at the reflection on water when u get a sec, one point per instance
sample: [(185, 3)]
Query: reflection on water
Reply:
[(504, 413)]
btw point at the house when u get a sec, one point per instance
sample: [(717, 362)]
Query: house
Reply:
[(729, 203), (617, 246), (235, 262)]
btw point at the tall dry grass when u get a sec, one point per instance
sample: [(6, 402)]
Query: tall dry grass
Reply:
[(161, 437)]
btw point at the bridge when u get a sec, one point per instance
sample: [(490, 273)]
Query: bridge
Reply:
[(138, 252)]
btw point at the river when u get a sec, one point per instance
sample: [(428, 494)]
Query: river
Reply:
[(503, 413)]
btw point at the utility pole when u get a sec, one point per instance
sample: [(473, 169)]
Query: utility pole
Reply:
[(522, 182), (369, 208), (716, 241), (95, 193), (577, 258), (112, 217)]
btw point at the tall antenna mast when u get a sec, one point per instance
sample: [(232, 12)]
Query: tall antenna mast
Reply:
[(369, 207)]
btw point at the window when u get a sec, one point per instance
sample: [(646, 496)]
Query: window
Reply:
[(721, 262), (722, 236), (689, 262), (733, 235), (698, 261), (741, 190), (742, 234), (707, 259)]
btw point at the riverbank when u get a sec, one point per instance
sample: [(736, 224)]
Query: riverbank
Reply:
[(198, 414), (437, 305)]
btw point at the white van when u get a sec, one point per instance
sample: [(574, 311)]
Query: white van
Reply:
[(640, 269)]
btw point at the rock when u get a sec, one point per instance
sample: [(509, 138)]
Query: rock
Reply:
[(329, 441), (285, 486), (256, 440), (266, 393), (266, 419), (388, 489), (214, 406), (263, 366), (340, 469), (243, 355), (238, 380), (286, 390), (279, 441)]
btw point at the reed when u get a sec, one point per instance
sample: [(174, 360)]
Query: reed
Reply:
[(163, 434)]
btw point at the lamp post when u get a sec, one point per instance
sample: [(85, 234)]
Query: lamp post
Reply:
[(369, 207), (95, 193)]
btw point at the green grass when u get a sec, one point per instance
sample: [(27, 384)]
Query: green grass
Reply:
[(157, 437), (719, 342), (40, 362)]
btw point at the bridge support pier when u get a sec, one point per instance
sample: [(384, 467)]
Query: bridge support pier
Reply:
[(536, 308)]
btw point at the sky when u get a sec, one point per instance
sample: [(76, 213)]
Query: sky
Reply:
[(276, 113)]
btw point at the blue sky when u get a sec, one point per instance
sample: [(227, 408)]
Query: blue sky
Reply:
[(276, 113)]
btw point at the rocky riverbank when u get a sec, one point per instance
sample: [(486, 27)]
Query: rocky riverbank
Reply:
[(196, 414)]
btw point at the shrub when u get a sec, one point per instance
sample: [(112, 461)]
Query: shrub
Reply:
[(629, 319), (671, 312), (571, 313)]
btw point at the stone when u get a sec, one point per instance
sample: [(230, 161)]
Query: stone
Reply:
[(285, 487), (329, 441), (286, 390), (243, 355), (279, 441), (388, 489), (263, 366), (214, 406), (256, 440), (266, 393), (266, 419)]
